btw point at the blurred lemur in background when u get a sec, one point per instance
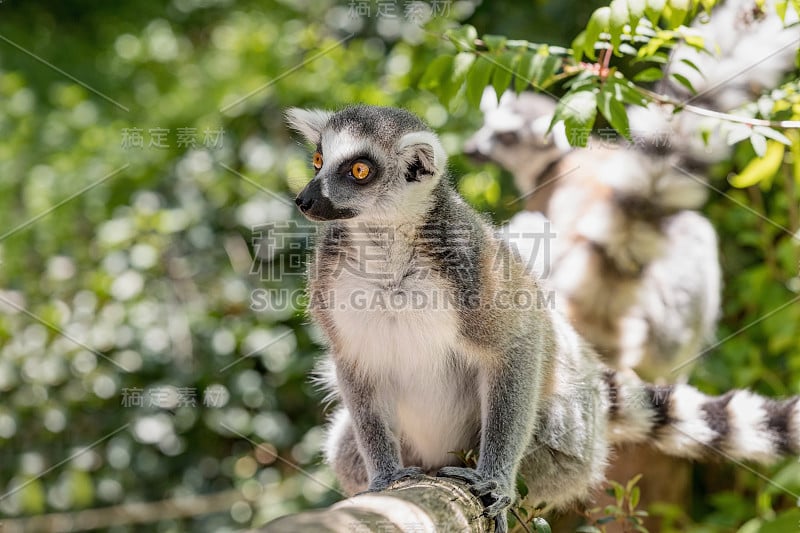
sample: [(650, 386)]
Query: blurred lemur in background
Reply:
[(634, 263)]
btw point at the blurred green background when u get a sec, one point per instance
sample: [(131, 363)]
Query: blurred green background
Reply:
[(142, 148)]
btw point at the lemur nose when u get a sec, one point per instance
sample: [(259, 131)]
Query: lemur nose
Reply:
[(303, 203)]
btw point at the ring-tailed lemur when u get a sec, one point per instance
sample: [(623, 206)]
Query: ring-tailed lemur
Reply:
[(634, 261), (437, 342)]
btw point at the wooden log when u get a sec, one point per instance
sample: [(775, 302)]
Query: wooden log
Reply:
[(416, 505)]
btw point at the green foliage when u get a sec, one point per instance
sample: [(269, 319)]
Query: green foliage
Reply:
[(623, 512)]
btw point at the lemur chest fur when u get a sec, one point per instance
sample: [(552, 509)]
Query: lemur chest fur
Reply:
[(391, 317)]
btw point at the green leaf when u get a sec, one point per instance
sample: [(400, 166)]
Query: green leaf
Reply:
[(787, 521), (780, 9), (708, 5), (494, 42), (697, 42), (540, 525), (617, 20), (524, 72), (503, 72), (81, 488), (32, 498), (795, 156), (683, 80), (598, 24), (760, 168), (522, 487), (437, 75), (662, 38), (578, 110), (635, 495), (691, 65), (678, 11), (635, 13), (463, 38), (578, 45), (477, 80), (632, 482), (627, 91), (548, 67), (654, 9), (610, 103), (461, 65), (796, 6), (649, 74)]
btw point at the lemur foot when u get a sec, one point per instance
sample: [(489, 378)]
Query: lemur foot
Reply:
[(495, 502), (381, 482)]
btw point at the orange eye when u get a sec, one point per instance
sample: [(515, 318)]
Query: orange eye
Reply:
[(360, 170), (317, 160)]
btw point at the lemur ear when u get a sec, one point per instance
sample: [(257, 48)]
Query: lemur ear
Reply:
[(422, 154), (309, 122)]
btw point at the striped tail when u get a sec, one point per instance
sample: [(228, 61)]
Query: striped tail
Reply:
[(679, 420)]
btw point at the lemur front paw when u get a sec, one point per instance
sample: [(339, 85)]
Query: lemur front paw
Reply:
[(381, 482), (489, 491)]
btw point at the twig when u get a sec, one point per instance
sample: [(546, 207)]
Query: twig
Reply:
[(663, 99), (520, 521)]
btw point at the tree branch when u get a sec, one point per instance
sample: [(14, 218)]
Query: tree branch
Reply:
[(663, 99), (414, 504)]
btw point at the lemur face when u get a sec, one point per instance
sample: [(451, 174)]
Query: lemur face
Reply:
[(369, 163), (514, 129)]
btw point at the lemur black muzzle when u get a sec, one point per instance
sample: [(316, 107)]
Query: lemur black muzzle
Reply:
[(315, 206)]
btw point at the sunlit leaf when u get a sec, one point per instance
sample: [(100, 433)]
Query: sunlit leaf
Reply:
[(578, 110), (678, 11), (617, 20), (654, 9), (540, 525), (463, 37), (598, 23), (611, 105), (760, 168), (649, 74)]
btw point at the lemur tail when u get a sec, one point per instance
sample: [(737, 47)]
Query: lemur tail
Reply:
[(681, 421)]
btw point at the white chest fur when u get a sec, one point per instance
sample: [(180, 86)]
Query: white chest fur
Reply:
[(396, 319)]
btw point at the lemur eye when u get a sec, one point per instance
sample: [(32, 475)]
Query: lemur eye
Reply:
[(317, 160), (508, 137), (360, 170)]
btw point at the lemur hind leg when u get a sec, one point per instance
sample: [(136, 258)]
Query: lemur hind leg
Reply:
[(345, 459), (341, 453)]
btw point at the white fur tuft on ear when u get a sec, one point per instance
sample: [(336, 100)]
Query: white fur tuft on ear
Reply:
[(309, 122), (430, 139)]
